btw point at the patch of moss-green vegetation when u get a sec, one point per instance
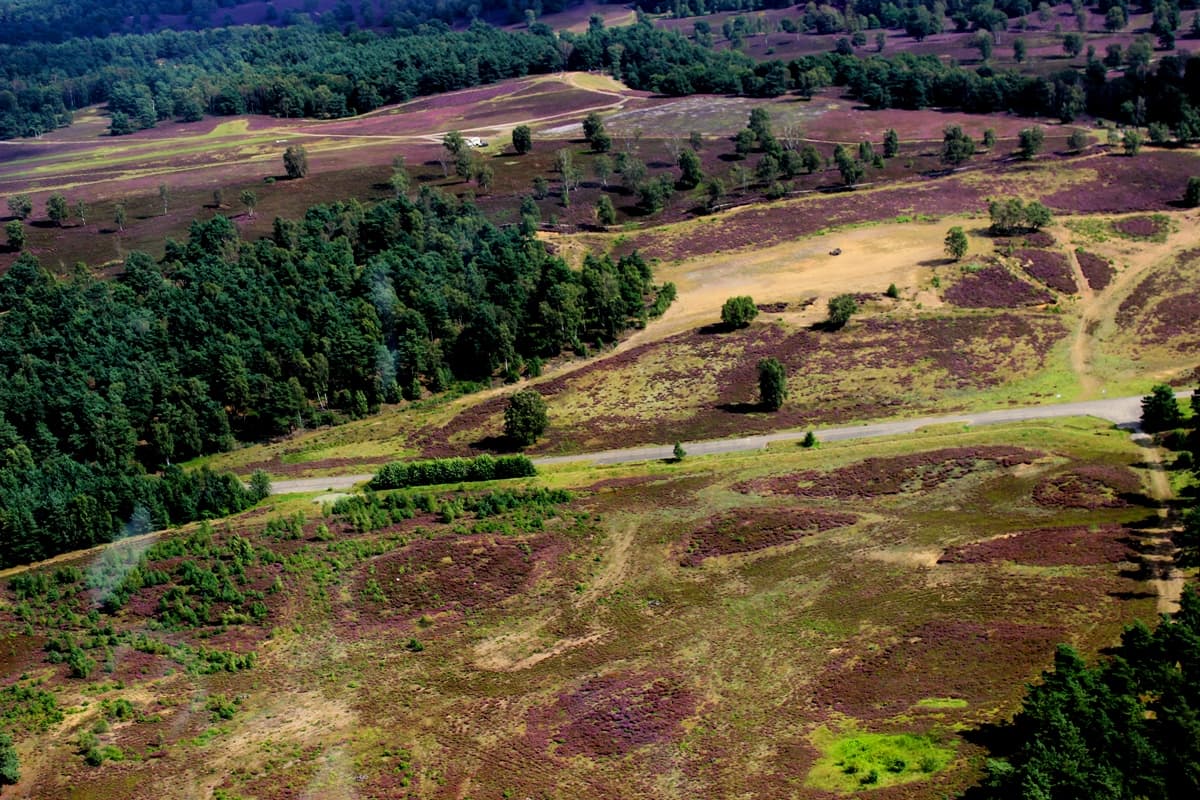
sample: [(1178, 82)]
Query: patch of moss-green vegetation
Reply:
[(1090, 229), (939, 703), (855, 760)]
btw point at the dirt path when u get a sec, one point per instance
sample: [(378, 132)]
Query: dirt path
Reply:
[(1167, 579), (1081, 341), (1097, 310)]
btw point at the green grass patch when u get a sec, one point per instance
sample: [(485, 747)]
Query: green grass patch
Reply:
[(855, 760), (1091, 229), (938, 703)]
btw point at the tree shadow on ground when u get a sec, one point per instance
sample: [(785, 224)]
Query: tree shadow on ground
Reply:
[(715, 328), (741, 408), (495, 444)]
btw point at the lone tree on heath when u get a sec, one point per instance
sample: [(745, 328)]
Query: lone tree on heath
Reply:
[(891, 143), (956, 243), (957, 147), (164, 194), (249, 200), (119, 216), (522, 139), (678, 451), (606, 214), (594, 133), (20, 206), (14, 231), (772, 384), (1029, 142), (1132, 142), (1160, 410), (738, 312), (841, 309), (1191, 195), (295, 161), (525, 417), (56, 209)]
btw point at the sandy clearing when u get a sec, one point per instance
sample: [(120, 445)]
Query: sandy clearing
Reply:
[(871, 258)]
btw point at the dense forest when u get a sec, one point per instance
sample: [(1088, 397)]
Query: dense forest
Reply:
[(307, 71), (225, 340), (24, 21)]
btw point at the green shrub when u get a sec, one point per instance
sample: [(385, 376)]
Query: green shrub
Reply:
[(402, 474)]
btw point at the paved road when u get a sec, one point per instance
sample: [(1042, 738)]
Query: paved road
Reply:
[(1123, 411)]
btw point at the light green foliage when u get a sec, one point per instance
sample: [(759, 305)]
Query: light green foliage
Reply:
[(858, 760), (956, 243), (1131, 142), (606, 214)]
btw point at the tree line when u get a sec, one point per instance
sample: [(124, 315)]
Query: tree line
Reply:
[(306, 71), (104, 382), (61, 20)]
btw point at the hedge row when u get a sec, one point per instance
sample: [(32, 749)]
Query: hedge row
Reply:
[(400, 474)]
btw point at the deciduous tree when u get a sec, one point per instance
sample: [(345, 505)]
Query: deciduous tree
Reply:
[(956, 243), (14, 231), (250, 201), (1029, 142), (957, 147), (525, 417), (295, 161), (56, 209), (20, 206)]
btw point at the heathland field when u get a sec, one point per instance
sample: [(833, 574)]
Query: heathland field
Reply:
[(788, 624), (817, 619)]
